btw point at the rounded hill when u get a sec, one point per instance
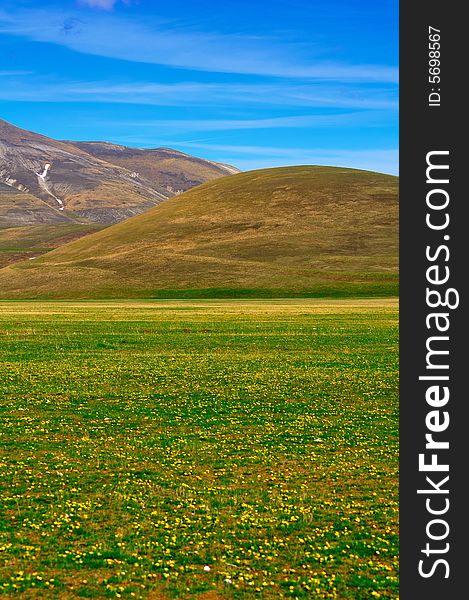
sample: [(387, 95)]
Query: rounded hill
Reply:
[(305, 230)]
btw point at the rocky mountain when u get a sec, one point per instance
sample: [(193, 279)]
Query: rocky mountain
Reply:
[(43, 180), (175, 171)]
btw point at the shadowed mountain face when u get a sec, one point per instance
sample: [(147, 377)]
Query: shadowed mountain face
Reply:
[(313, 230), (43, 180)]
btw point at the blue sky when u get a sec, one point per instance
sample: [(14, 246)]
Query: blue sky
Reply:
[(253, 83)]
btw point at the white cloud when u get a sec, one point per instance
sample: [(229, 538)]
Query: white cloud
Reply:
[(194, 93), (170, 45)]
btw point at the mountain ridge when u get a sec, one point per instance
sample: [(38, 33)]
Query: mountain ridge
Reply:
[(83, 182)]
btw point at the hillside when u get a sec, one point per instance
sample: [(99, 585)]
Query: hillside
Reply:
[(291, 230)]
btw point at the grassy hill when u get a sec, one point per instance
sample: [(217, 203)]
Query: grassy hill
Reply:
[(287, 231)]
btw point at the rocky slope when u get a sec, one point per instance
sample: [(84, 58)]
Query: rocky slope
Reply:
[(43, 180)]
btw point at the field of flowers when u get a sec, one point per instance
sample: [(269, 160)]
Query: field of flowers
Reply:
[(205, 449)]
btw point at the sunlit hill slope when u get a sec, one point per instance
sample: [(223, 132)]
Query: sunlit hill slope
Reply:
[(303, 230)]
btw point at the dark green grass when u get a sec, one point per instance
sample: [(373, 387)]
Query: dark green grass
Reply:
[(382, 289), (144, 441)]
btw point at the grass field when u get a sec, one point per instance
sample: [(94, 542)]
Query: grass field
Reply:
[(207, 449)]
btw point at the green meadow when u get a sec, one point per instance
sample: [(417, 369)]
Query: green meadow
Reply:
[(204, 449)]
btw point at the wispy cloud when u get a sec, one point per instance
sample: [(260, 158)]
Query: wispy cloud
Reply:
[(13, 73), (196, 94), (280, 150), (176, 46), (354, 119)]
